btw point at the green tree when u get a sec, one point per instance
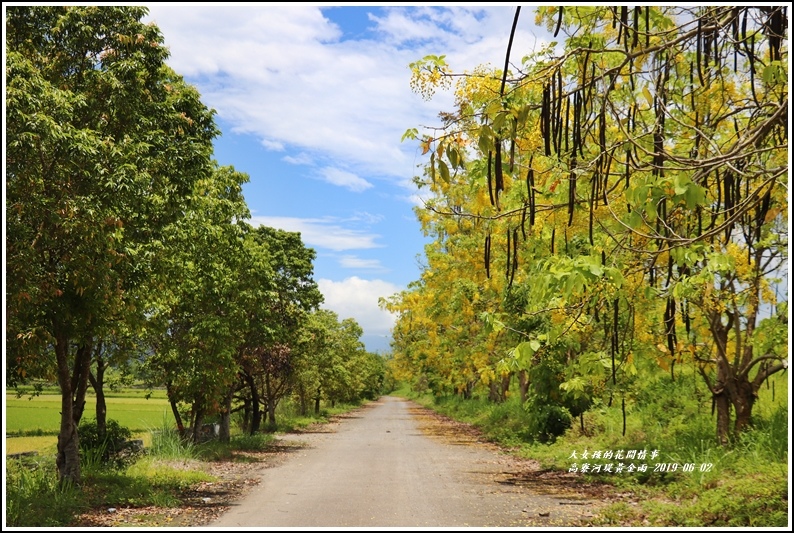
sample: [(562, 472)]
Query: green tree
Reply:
[(286, 296), (104, 143), (333, 364), (203, 309)]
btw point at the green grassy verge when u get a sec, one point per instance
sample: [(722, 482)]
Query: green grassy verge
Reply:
[(35, 498), (744, 484)]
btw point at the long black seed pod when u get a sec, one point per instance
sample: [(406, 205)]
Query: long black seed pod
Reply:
[(687, 320), (490, 179), (752, 68), (515, 257), (559, 115), (507, 263), (735, 35), (707, 42), (647, 27), (669, 323), (605, 185), (567, 116), (531, 192), (571, 191), (698, 53), (761, 213), (624, 24), (559, 21), (716, 209), (500, 185)]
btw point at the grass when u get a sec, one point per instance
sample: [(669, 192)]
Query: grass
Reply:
[(40, 415), (745, 484), (171, 466), (32, 423), (34, 498)]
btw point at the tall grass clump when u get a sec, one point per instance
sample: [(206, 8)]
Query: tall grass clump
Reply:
[(167, 443), (35, 497)]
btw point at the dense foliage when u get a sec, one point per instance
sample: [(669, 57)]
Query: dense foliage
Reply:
[(618, 198), (127, 245)]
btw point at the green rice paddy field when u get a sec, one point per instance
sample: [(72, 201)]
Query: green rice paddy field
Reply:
[(31, 423)]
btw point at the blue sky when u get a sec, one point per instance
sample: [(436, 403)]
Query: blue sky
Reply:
[(312, 102)]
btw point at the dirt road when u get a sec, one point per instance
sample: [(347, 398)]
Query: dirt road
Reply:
[(387, 465)]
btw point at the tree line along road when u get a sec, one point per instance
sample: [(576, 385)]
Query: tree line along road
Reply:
[(390, 464)]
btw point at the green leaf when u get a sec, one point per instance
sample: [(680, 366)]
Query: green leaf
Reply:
[(499, 120), (411, 133), (485, 141), (453, 154), (524, 353), (650, 211), (773, 72), (443, 169), (634, 219)]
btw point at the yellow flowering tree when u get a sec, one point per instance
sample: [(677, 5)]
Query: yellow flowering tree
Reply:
[(637, 169)]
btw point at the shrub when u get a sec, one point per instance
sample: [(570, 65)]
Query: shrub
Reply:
[(113, 449), (547, 422)]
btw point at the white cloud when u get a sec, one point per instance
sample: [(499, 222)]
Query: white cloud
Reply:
[(342, 178), (321, 232), (367, 218), (352, 261), (358, 299), (273, 146), (283, 74), (301, 159)]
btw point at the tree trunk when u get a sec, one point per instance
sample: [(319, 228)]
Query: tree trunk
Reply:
[(722, 404), (505, 386), (743, 404), (225, 432), (197, 421), (493, 391), (256, 418), (317, 403), (68, 455), (302, 403), (98, 384), (180, 426), (80, 372), (271, 413), (523, 385), (246, 415)]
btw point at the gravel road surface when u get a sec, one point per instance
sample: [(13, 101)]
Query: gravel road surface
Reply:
[(388, 465)]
